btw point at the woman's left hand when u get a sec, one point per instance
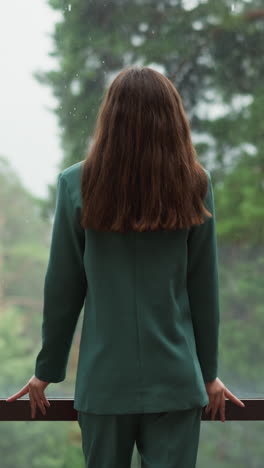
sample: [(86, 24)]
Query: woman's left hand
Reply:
[(35, 387)]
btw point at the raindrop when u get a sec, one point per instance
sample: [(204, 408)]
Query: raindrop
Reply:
[(137, 40), (236, 7), (69, 7), (143, 27), (187, 4), (197, 25)]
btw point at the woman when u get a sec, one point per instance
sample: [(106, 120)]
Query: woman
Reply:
[(134, 238)]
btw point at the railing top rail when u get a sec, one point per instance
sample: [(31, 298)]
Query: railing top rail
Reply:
[(62, 409)]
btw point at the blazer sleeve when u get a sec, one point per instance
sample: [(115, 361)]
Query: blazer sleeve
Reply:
[(64, 288), (203, 288)]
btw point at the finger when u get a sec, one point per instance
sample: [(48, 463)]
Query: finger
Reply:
[(46, 402), (215, 407), (210, 404), (33, 407), (222, 408), (233, 398), (19, 394), (37, 398), (218, 405), (42, 407)]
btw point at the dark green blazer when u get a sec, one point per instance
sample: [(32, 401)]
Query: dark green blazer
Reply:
[(149, 337)]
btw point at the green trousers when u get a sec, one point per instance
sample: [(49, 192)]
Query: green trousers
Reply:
[(163, 440)]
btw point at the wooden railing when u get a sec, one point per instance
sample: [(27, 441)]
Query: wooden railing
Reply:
[(61, 409)]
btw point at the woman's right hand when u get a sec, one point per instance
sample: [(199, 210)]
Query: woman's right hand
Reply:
[(217, 392)]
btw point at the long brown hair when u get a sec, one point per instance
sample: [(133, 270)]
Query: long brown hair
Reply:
[(141, 172)]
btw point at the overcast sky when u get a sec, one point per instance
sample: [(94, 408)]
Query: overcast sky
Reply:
[(29, 133)]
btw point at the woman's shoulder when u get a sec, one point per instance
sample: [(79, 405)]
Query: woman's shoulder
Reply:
[(73, 170), (72, 177)]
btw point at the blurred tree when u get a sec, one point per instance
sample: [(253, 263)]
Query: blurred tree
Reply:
[(24, 242), (24, 246)]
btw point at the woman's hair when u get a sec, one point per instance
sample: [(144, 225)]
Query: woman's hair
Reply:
[(141, 172)]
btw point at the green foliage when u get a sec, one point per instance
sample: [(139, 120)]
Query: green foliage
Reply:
[(33, 444), (14, 352), (239, 203)]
